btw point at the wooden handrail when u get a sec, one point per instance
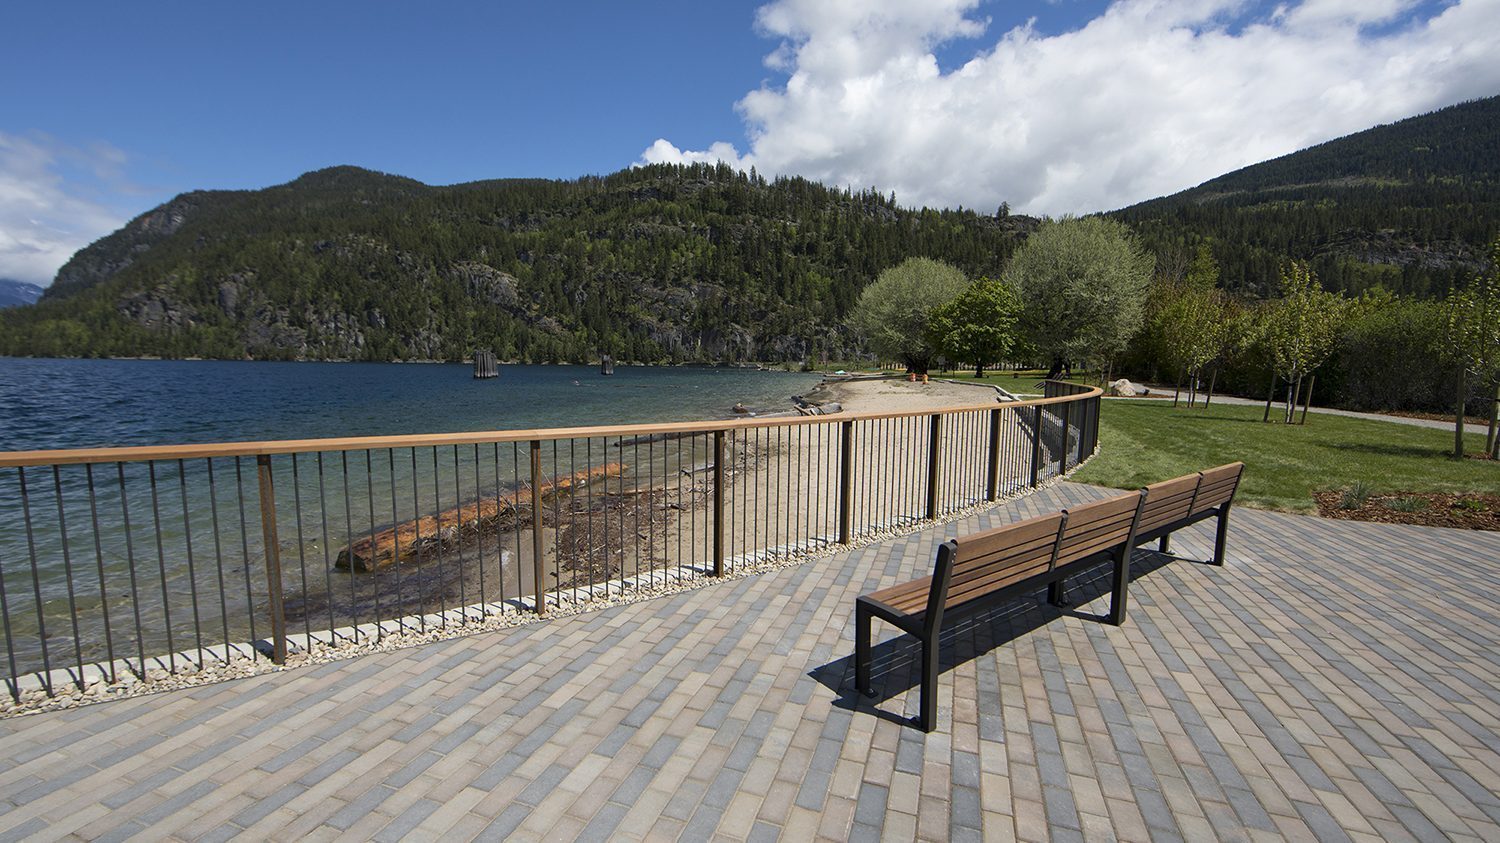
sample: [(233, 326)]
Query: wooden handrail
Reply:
[(142, 453)]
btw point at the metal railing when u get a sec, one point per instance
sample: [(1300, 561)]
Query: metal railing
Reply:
[(120, 562)]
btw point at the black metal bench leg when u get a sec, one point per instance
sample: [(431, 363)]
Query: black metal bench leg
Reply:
[(862, 648), (1119, 595), (1222, 535), (927, 720), (1165, 545), (1057, 593)]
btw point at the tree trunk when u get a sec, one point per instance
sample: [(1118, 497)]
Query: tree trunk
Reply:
[(1307, 399), (978, 370), (1492, 437), (1293, 390), (1055, 369), (1213, 378), (1109, 370), (1177, 392), (1458, 419), (1269, 396), (1192, 388)]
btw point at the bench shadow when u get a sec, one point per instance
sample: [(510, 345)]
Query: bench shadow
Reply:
[(895, 664)]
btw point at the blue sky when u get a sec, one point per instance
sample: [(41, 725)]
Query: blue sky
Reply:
[(107, 109)]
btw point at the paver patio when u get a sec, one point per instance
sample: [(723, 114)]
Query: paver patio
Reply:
[(1334, 680)]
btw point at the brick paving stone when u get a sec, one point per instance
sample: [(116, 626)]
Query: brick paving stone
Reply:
[(1319, 686)]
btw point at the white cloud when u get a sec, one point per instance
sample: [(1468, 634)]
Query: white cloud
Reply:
[(45, 214), (1151, 97)]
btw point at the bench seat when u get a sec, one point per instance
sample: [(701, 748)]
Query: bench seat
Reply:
[(975, 570)]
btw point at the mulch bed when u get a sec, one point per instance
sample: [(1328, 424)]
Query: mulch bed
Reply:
[(1438, 509)]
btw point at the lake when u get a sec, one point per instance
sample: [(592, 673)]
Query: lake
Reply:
[(142, 558), (91, 403)]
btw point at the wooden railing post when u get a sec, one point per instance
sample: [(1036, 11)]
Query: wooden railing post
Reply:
[(992, 484), (933, 445), (273, 558), (536, 526), (718, 503), (1036, 448), (846, 483)]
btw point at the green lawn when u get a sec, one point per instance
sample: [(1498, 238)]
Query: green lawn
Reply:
[(1141, 442)]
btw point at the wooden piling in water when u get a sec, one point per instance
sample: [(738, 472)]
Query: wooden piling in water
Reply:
[(485, 364)]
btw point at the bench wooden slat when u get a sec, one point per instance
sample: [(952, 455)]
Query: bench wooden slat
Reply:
[(1042, 550), (1097, 526), (1168, 501), (1218, 486)]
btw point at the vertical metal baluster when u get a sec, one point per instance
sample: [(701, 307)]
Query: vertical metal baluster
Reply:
[(588, 524), (692, 489), (718, 556), (161, 560), (213, 512), (239, 495), (603, 525), (680, 510), (479, 525), (537, 562), (515, 464), (499, 542), (62, 526), (349, 542), (187, 538), (135, 594), (557, 524), (13, 680), (437, 543), (650, 533), (301, 550), (458, 541), (327, 563), (375, 571), (396, 574), (635, 503), (416, 542), (666, 515), (109, 640)]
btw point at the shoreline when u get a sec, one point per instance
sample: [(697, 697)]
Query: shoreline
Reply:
[(894, 394)]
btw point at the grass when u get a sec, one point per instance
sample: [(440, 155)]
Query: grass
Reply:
[(1142, 442)]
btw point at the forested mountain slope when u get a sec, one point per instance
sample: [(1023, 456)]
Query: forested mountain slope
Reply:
[(657, 263), (1409, 206)]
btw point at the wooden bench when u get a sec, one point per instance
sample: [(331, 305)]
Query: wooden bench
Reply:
[(976, 570)]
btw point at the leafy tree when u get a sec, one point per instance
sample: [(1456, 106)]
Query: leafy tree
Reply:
[(1473, 340), (979, 326), (1189, 321), (1082, 284), (1302, 328), (895, 311)]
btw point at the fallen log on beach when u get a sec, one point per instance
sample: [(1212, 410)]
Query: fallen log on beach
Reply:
[(405, 541)]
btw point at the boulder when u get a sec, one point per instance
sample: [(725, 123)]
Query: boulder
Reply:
[(1123, 388)]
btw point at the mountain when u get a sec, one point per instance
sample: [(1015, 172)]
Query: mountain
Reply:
[(15, 293), (1408, 206), (657, 263)]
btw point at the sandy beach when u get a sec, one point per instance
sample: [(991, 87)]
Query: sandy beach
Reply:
[(894, 395)]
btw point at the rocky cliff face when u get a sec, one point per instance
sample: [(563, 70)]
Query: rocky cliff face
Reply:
[(650, 264)]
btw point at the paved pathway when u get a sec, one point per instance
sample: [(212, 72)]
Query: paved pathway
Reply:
[(1335, 680)]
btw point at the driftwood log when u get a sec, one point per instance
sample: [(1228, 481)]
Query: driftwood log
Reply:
[(403, 542)]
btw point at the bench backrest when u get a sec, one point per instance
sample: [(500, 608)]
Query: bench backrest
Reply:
[(994, 559), (1168, 502), (1217, 486), (1096, 527)]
